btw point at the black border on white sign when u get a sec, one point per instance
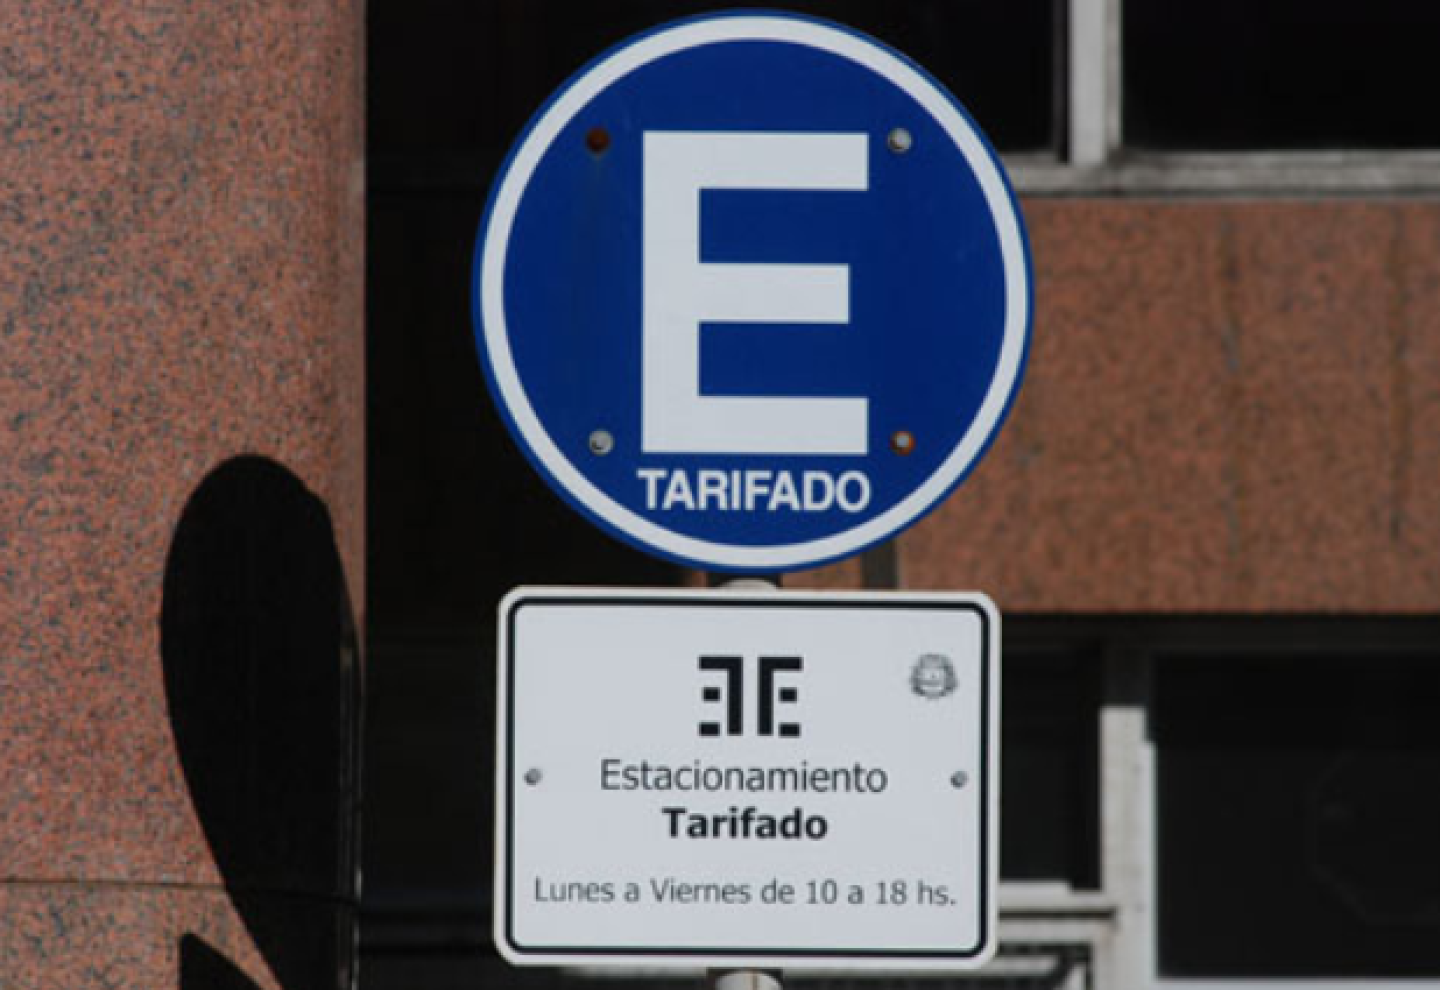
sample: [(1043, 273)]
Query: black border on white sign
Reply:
[(693, 956)]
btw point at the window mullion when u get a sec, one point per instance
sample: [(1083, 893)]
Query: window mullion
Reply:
[(1094, 80)]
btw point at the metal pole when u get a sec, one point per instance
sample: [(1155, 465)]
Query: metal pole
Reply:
[(751, 584), (744, 979), (747, 979)]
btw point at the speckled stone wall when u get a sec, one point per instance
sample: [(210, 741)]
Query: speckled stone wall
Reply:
[(1229, 407), (181, 472)]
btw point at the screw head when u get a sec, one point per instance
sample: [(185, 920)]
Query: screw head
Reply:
[(601, 443), (959, 779), (903, 442), (597, 139), (533, 777), (899, 140)]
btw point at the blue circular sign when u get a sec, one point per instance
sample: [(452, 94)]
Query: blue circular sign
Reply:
[(753, 292)]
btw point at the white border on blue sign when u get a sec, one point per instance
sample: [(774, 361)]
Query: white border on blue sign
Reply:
[(490, 301)]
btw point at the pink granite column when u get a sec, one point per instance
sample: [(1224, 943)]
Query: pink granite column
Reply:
[(181, 472)]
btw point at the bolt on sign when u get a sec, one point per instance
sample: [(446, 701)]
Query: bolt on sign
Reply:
[(798, 781), (752, 292)]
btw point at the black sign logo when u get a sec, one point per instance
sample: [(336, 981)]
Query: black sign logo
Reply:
[(731, 694)]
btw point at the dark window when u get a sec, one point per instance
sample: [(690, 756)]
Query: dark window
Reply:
[(1049, 798), (1299, 816), (1281, 74), (454, 81)]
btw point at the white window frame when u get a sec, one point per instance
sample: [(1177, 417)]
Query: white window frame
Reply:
[(1096, 161)]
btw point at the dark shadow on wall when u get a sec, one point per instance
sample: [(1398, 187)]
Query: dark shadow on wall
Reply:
[(202, 967), (263, 682)]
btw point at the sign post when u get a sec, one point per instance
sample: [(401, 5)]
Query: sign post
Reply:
[(752, 292), (740, 780)]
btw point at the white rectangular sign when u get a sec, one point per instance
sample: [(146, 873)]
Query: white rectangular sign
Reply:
[(734, 779)]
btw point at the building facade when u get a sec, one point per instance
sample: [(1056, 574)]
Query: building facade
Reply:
[(247, 440)]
